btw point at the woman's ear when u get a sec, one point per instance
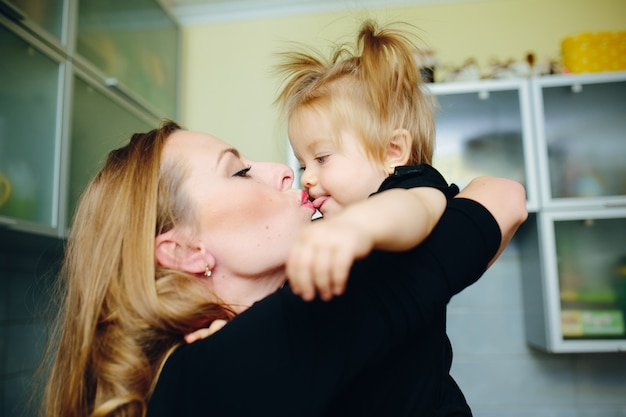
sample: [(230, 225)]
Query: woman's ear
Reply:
[(399, 150), (173, 251)]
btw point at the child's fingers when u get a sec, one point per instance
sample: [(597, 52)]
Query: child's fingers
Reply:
[(206, 332), (302, 285), (321, 264), (322, 267), (300, 271), (332, 272), (341, 270)]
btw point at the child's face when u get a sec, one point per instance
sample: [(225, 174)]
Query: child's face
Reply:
[(335, 171)]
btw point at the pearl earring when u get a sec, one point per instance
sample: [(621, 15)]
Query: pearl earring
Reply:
[(207, 271)]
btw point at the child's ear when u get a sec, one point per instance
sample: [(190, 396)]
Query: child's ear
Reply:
[(172, 251), (399, 150)]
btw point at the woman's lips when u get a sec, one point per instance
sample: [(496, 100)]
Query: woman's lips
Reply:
[(304, 200)]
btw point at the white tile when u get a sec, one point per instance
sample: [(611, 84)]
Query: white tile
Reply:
[(549, 411), (601, 379), (500, 287), (515, 382), (484, 333)]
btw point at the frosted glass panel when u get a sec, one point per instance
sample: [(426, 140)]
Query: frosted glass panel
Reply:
[(478, 135), (99, 125), (28, 108), (134, 42), (586, 138), (591, 257), (46, 13)]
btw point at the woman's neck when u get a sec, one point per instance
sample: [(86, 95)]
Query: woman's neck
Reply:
[(241, 292)]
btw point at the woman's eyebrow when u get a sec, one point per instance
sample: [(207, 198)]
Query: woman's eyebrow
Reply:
[(226, 151)]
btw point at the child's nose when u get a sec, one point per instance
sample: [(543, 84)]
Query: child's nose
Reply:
[(308, 179)]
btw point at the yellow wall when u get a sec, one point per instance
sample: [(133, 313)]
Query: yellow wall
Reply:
[(227, 82)]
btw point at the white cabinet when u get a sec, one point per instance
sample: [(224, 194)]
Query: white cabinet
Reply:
[(100, 122), (77, 79), (134, 46), (574, 248), (564, 138), (581, 138), (484, 128), (574, 280), (30, 82)]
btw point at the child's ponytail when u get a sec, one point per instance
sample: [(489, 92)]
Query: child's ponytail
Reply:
[(388, 68), (391, 80)]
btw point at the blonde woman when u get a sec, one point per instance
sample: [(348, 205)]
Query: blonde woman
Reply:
[(179, 229)]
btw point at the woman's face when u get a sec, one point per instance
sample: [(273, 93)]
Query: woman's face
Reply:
[(248, 214)]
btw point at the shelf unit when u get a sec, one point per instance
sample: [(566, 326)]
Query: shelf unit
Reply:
[(574, 272), (78, 78), (576, 266), (580, 127), (564, 138), (484, 128)]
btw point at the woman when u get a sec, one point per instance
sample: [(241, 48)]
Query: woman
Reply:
[(219, 227)]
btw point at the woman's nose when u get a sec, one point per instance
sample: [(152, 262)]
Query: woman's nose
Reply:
[(277, 175)]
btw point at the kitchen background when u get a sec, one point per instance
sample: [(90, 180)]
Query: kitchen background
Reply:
[(226, 87)]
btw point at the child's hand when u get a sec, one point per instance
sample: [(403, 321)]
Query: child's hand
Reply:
[(321, 259), (206, 332)]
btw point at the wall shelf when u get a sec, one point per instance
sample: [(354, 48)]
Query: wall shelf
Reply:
[(564, 138)]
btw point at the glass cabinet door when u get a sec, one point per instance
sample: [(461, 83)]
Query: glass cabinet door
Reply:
[(483, 128), (29, 131), (135, 44), (48, 14), (582, 138), (584, 262), (591, 263), (100, 123)]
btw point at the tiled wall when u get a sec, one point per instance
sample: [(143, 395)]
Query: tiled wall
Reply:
[(499, 374), (502, 377), (28, 265)]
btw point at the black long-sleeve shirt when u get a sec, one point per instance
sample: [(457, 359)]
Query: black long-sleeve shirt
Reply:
[(380, 349)]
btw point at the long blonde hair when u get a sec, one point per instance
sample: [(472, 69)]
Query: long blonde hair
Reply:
[(374, 89), (121, 313)]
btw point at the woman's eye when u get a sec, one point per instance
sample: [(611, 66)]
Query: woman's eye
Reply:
[(242, 173)]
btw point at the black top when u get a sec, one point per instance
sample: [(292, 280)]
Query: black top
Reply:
[(411, 176), (353, 355), (415, 379)]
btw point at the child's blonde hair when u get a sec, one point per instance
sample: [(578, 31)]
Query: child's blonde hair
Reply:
[(374, 90)]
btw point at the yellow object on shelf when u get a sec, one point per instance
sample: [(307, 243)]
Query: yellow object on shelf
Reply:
[(594, 52), (592, 323)]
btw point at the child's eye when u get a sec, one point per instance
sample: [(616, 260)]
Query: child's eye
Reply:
[(242, 173), (321, 159)]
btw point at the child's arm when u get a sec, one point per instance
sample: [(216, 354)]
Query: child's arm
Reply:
[(394, 220), (506, 201)]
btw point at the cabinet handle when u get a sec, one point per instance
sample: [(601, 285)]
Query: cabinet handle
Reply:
[(114, 84)]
